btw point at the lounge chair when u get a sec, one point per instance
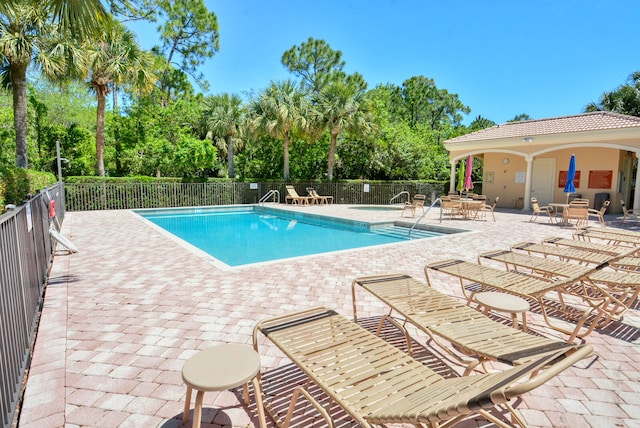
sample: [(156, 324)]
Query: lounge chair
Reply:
[(624, 284), (615, 231), (318, 199), (610, 236), (632, 214), (537, 209), (612, 250), (376, 383), (598, 308), (418, 202), (564, 253), (295, 198), (546, 267), (442, 316)]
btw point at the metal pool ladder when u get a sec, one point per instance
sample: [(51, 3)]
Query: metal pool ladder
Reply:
[(270, 194), (423, 214), (404, 192)]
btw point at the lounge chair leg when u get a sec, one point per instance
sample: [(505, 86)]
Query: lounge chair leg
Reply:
[(313, 402), (488, 416)]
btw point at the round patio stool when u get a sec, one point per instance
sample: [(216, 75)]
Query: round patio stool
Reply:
[(503, 302), (218, 369)]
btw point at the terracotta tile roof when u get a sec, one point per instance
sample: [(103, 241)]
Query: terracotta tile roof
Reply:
[(594, 121)]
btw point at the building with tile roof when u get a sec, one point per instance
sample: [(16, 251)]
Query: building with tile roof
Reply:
[(530, 159)]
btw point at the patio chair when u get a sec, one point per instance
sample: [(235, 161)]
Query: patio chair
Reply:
[(598, 308), (450, 207), (295, 198), (537, 209), (376, 383), (442, 316), (577, 210), (632, 214), (418, 202), (599, 214), (318, 199), (486, 208)]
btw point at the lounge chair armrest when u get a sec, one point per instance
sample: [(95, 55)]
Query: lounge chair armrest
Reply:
[(558, 363)]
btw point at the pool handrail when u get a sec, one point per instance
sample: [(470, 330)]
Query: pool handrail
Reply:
[(271, 193), (422, 216), (404, 192)]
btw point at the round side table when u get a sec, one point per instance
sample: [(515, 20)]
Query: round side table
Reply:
[(218, 369), (503, 302)]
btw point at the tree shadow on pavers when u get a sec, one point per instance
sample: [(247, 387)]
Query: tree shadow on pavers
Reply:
[(279, 384)]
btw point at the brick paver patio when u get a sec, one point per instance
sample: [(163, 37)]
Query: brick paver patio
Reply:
[(122, 316)]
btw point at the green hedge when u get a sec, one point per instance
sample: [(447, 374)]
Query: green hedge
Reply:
[(17, 183)]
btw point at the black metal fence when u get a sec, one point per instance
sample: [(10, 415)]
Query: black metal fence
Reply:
[(107, 196), (25, 257)]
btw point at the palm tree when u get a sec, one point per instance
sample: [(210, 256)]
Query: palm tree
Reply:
[(625, 99), (279, 110), (339, 107), (25, 37), (116, 58), (33, 32), (226, 120)]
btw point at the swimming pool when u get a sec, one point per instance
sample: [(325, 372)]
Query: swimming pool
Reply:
[(250, 234)]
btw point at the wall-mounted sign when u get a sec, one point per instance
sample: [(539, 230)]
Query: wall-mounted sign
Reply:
[(600, 179), (562, 179)]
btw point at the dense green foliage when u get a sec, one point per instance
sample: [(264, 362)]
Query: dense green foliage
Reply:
[(625, 99), (322, 125), (16, 183)]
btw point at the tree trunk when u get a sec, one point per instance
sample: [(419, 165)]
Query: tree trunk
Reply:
[(116, 134), (19, 83), (285, 143), (100, 133), (232, 171), (332, 156)]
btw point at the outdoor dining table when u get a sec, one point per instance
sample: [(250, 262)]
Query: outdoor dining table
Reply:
[(470, 207), (557, 210)]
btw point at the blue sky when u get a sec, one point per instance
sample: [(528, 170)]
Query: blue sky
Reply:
[(544, 58)]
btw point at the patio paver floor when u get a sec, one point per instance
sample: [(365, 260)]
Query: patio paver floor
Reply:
[(122, 316)]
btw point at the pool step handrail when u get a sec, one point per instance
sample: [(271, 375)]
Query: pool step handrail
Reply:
[(404, 192), (423, 214), (273, 193)]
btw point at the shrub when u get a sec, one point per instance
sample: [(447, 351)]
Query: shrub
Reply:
[(17, 183)]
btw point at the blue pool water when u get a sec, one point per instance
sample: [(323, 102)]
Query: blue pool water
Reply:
[(243, 236)]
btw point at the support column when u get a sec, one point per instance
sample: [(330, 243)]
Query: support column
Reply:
[(452, 179), (636, 192), (526, 206)]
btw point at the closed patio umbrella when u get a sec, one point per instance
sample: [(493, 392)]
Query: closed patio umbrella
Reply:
[(468, 184), (569, 187)]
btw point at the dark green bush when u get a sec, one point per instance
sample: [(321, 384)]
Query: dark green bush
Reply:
[(17, 183)]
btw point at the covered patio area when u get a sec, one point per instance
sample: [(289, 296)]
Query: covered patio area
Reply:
[(531, 158)]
